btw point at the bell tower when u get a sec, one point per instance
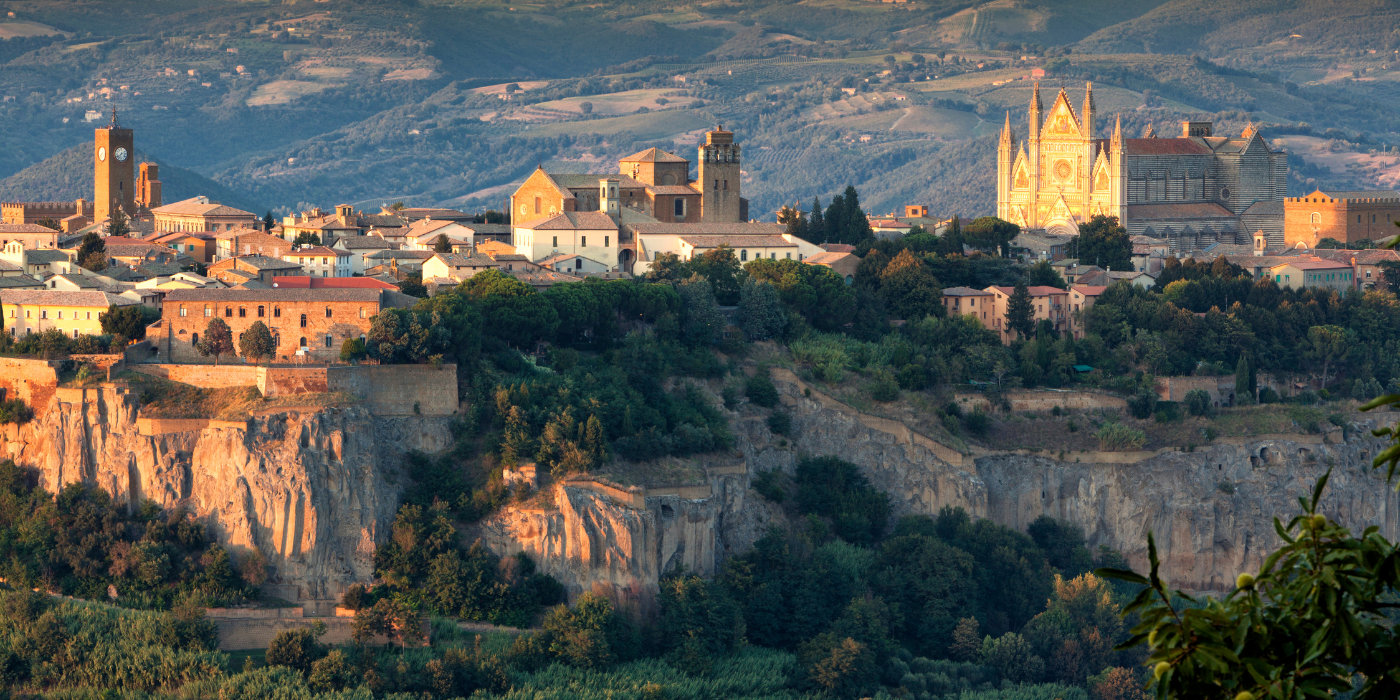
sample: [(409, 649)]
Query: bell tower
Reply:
[(114, 172), (719, 178)]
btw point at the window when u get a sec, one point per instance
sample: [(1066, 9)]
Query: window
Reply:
[(679, 206), (303, 325), (362, 312), (772, 256), (537, 205), (789, 256), (578, 263), (43, 313), (276, 312), (261, 311), (194, 339), (303, 341), (328, 312), (182, 311), (743, 255), (1316, 218), (60, 315), (1358, 218), (605, 241), (328, 340), (583, 241), (716, 184), (208, 311), (556, 242), (228, 312), (243, 312), (726, 184), (276, 340)]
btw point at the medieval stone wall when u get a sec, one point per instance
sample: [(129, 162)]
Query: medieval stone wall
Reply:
[(31, 381)]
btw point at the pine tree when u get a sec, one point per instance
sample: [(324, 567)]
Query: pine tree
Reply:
[(909, 289), (952, 243), (92, 253), (761, 313), (835, 222), (268, 221), (593, 440), (702, 321), (816, 223), (117, 225), (515, 442), (857, 225), (1019, 316), (443, 244)]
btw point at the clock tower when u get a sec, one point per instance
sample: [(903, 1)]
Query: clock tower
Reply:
[(114, 172)]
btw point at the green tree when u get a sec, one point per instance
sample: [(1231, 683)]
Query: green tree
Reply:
[(1043, 274), (816, 223), (1019, 310), (306, 238), (353, 350), (119, 225), (1102, 242), (413, 286), (298, 648), (698, 621), (761, 314), (92, 253), (701, 320), (909, 289), (511, 309), (992, 235), (1245, 381), (1198, 403), (256, 342), (269, 221), (721, 268), (1326, 343), (128, 321), (50, 224), (951, 242), (814, 291), (217, 340), (443, 244)]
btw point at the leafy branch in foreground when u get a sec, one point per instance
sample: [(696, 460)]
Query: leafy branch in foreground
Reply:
[(1311, 624)]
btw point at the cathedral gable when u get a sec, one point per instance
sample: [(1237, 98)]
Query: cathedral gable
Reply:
[(1101, 174), (1061, 122), (1022, 179)]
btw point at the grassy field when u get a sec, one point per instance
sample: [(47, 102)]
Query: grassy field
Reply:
[(653, 125), (616, 104), (280, 92), (10, 30)]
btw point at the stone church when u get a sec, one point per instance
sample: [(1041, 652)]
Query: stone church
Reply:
[(1194, 190)]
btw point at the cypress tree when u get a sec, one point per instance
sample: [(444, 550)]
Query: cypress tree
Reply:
[(1018, 311), (836, 220), (816, 224)]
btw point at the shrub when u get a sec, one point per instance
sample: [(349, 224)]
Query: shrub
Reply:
[(1143, 404), (977, 422), (833, 488), (1167, 412), (1116, 437), (298, 648), (15, 411), (1268, 395), (885, 389), (761, 391), (769, 484), (1198, 403), (780, 423), (1225, 487), (356, 597)]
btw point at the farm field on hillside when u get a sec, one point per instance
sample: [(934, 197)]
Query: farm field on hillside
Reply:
[(653, 125)]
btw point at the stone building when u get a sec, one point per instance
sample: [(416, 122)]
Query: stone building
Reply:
[(257, 268), (1346, 216), (200, 214), (71, 216), (247, 241), (318, 320), (1194, 190), (31, 236)]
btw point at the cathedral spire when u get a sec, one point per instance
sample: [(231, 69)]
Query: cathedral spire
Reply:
[(1007, 137), (1117, 142), (1035, 98), (1088, 99)]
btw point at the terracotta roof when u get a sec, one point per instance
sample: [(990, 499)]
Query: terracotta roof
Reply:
[(1362, 257), (79, 280), (582, 181), (1198, 210), (201, 235), (324, 294), (542, 277), (394, 254), (490, 247), (710, 229), (1164, 147), (738, 241), (300, 282), (1316, 264), (362, 243), (26, 228), (487, 229), (53, 297), (1087, 290), (412, 213), (838, 247), (453, 260), (13, 281), (965, 292), (672, 190), (7, 266), (48, 255), (653, 155), (259, 262), (827, 258), (319, 251), (426, 226), (194, 207), (572, 220), (1035, 291)]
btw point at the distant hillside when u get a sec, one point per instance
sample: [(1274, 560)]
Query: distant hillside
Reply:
[(68, 176), (1187, 26)]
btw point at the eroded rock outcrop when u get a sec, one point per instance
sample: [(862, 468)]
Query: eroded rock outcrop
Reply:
[(310, 489)]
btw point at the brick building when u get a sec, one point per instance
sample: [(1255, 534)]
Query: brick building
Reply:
[(1047, 304), (1346, 216), (199, 214), (34, 212), (319, 320), (244, 268), (31, 236), (246, 241)]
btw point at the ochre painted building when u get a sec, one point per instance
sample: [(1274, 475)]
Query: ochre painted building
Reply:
[(72, 312), (319, 320)]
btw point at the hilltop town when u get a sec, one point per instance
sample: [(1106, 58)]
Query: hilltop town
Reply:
[(809, 349)]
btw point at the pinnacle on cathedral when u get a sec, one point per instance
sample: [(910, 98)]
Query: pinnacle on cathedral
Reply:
[(1117, 142), (1006, 136)]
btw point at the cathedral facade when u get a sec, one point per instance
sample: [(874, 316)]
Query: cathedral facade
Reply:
[(1194, 190)]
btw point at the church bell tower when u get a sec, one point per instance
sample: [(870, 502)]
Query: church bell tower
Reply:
[(114, 172), (719, 178)]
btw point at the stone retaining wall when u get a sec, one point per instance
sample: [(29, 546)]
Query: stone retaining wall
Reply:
[(30, 381)]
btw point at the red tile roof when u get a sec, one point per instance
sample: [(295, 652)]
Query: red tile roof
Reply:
[(1035, 291), (300, 282), (1164, 147)]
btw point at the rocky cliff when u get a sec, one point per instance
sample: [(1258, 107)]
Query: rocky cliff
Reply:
[(310, 489)]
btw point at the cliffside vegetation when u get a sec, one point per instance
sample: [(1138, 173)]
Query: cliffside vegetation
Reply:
[(81, 542)]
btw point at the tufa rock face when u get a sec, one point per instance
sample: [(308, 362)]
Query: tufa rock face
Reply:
[(306, 489)]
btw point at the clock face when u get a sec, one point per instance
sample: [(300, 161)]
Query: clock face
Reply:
[(120, 155), (102, 153)]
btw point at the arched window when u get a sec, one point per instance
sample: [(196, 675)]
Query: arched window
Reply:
[(1316, 218), (743, 255), (194, 339), (303, 325), (328, 340), (303, 341)]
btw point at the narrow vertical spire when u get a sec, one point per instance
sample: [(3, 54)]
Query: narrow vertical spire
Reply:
[(1035, 97), (1117, 142), (1006, 137), (1088, 99)]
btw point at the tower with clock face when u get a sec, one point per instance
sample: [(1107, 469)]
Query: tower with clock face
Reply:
[(114, 170)]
